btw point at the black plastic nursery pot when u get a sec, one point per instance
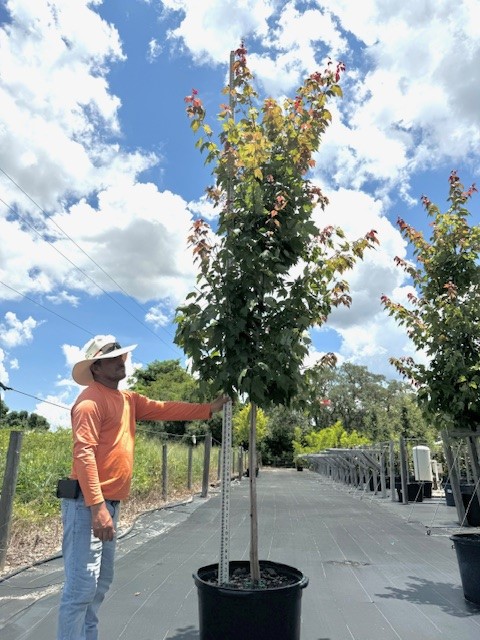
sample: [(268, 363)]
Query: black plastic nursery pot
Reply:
[(471, 504), (226, 613), (467, 548), (427, 488), (465, 489), (414, 492)]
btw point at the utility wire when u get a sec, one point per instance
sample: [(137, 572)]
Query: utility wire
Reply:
[(72, 240), (23, 393), (141, 428), (47, 309), (85, 274)]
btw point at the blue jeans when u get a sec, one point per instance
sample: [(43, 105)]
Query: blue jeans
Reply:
[(88, 566)]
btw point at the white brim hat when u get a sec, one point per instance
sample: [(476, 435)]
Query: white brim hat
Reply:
[(98, 348)]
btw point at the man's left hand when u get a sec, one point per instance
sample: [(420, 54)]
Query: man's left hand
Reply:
[(217, 404)]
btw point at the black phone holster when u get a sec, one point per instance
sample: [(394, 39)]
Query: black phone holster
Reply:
[(68, 488)]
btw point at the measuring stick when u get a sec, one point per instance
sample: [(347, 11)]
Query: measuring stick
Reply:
[(223, 567)]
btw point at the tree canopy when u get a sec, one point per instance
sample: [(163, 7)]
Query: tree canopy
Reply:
[(166, 380), (269, 273), (443, 318)]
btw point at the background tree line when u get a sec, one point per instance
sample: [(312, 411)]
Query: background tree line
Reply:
[(339, 406), (21, 419)]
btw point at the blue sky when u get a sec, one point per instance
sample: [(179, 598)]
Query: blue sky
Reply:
[(100, 180)]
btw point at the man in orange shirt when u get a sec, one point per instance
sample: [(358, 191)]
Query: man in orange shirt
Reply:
[(103, 424)]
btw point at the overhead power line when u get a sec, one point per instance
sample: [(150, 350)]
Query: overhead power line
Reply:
[(29, 395), (50, 219), (47, 309), (140, 427), (78, 268)]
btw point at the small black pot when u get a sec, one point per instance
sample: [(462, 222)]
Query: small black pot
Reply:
[(249, 614), (467, 548), (427, 488), (471, 504), (449, 497), (414, 492)]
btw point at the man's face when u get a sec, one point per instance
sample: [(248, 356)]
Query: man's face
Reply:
[(110, 370)]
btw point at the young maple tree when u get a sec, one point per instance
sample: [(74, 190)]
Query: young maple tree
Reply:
[(269, 273), (444, 318)]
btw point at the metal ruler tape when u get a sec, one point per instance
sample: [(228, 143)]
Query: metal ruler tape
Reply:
[(223, 569)]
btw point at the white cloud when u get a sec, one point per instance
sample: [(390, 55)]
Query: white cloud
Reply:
[(137, 233), (154, 50), (368, 335), (58, 117), (73, 158), (289, 56), (54, 96), (204, 208), (3, 371), (72, 354), (56, 409), (416, 99), (157, 316), (209, 29), (15, 332), (63, 296), (14, 364)]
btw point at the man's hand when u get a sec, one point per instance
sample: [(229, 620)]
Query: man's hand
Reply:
[(217, 404), (102, 523)]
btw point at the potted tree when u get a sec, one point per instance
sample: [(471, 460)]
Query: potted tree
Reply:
[(266, 276), (443, 322)]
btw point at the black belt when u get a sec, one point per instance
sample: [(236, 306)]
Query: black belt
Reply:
[(114, 503)]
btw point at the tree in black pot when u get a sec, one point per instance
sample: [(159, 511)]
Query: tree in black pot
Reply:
[(443, 321), (266, 276)]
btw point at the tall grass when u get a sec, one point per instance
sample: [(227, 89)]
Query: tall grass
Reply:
[(45, 457)]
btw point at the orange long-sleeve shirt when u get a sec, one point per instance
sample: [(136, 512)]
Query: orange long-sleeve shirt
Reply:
[(103, 424)]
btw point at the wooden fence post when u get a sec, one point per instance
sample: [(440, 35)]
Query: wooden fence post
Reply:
[(383, 481), (454, 478), (8, 491), (472, 447), (404, 470), (206, 465), (391, 457), (190, 466), (164, 473)]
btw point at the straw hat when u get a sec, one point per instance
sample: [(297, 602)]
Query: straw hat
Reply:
[(97, 348)]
